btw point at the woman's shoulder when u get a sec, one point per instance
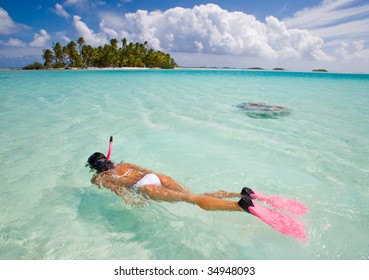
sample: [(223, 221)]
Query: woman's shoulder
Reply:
[(120, 166), (123, 167)]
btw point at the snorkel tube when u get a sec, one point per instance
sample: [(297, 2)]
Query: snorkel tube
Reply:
[(110, 148)]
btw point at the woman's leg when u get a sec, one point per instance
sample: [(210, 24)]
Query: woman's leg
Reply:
[(205, 202), (170, 183), (222, 194), (279, 221)]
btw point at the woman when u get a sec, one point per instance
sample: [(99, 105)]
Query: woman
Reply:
[(157, 186), (124, 177)]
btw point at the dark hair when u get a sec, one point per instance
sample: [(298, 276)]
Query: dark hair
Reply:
[(98, 162)]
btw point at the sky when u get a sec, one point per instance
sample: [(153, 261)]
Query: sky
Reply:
[(298, 35)]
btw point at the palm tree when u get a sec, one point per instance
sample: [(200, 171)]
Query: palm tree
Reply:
[(80, 43), (124, 43), (48, 56), (74, 57), (114, 43), (115, 52), (123, 60), (59, 54), (88, 56)]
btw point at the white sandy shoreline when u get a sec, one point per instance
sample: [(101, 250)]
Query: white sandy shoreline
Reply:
[(176, 68)]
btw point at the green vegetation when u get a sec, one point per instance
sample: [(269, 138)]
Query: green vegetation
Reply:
[(34, 66), (320, 70), (78, 54), (278, 69), (255, 68)]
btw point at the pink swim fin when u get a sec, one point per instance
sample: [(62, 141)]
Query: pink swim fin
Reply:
[(291, 205), (279, 221)]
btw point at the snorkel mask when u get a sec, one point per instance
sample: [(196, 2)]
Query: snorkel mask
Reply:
[(99, 162)]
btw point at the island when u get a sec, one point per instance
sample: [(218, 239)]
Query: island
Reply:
[(79, 55), (255, 68), (320, 70)]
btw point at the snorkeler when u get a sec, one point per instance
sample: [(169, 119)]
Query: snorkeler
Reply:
[(130, 177)]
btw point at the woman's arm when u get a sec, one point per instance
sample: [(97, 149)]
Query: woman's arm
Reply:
[(104, 180)]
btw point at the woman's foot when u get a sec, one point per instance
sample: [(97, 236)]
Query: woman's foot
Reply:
[(245, 202), (247, 192)]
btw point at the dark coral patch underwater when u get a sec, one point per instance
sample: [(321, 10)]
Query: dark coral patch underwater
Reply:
[(260, 110)]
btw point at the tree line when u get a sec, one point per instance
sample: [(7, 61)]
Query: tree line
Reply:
[(78, 54)]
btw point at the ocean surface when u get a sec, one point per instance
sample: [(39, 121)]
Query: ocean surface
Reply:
[(183, 123)]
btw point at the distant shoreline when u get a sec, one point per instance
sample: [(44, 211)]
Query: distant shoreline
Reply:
[(256, 69), (158, 68)]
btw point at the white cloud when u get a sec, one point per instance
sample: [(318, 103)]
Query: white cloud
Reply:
[(342, 24), (327, 13), (59, 10), (332, 19), (88, 34), (40, 39), (7, 25), (62, 36), (355, 29), (14, 43), (211, 29), (74, 2), (354, 51), (123, 2), (85, 5), (294, 43), (111, 32)]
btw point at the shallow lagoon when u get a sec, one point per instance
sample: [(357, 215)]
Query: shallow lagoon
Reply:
[(182, 123)]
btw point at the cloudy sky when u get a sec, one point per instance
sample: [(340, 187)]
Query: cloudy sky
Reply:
[(296, 35)]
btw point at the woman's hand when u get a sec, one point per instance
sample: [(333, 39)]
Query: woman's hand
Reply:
[(96, 179)]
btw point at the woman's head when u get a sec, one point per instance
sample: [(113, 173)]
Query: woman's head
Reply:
[(98, 162)]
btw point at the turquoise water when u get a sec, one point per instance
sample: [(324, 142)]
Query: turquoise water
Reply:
[(182, 123)]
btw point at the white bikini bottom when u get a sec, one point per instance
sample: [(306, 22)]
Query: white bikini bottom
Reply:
[(148, 179)]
